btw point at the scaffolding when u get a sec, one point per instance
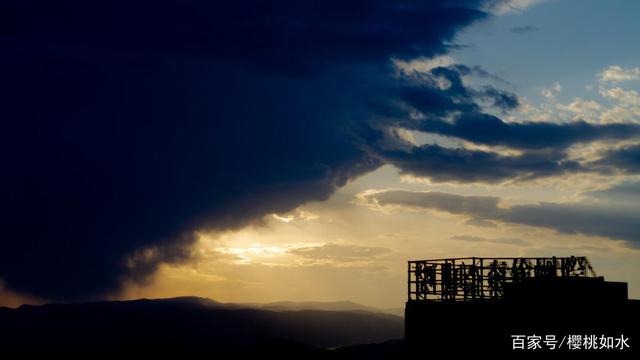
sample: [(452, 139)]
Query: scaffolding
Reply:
[(478, 278)]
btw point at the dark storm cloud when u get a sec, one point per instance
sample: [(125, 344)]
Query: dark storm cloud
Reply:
[(464, 165), (478, 71), (447, 107), (487, 129), (626, 159), (428, 96), (542, 146), (129, 124), (500, 99), (576, 218), (289, 35)]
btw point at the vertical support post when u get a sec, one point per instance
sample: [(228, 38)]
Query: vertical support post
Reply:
[(409, 280)]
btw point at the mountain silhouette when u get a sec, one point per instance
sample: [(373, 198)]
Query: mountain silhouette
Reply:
[(187, 327), (201, 328)]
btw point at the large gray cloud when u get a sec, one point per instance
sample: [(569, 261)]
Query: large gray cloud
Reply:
[(625, 159), (465, 165), (489, 130), (577, 218), (127, 125), (626, 193)]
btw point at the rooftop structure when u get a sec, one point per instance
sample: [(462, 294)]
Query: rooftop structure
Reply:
[(478, 278), (462, 305)]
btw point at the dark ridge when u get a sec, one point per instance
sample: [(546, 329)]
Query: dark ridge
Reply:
[(185, 327)]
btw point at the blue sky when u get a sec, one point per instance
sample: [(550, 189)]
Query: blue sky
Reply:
[(570, 42)]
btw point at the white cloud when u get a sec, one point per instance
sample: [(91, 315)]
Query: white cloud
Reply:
[(615, 104), (503, 7), (424, 64), (621, 114), (307, 215), (546, 93), (615, 73), (588, 110), (626, 107), (625, 97), (581, 106), (551, 91), (302, 215)]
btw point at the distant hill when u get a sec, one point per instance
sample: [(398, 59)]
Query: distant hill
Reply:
[(288, 305), (317, 305), (188, 326)]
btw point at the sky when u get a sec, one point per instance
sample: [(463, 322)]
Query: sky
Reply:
[(252, 152)]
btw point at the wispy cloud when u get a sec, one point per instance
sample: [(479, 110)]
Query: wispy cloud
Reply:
[(523, 29), (616, 73), (551, 91), (479, 239), (503, 7), (568, 218), (340, 252)]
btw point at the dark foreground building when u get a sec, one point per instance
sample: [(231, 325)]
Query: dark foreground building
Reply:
[(517, 305)]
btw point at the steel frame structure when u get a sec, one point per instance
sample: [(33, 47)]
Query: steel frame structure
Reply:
[(480, 278)]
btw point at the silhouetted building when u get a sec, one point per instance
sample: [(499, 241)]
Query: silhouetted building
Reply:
[(471, 304)]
